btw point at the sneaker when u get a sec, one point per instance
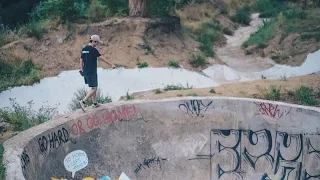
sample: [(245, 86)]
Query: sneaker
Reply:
[(82, 105), (95, 105)]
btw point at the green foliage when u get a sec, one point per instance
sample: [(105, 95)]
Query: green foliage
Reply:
[(81, 93), (129, 97), (143, 65), (6, 36), (173, 63), (263, 35), (242, 15), (228, 31), (24, 73), (117, 7), (96, 11), (65, 10), (23, 117), (212, 91), (273, 94), (269, 8), (305, 96), (34, 29), (176, 87), (2, 167), (193, 94), (158, 91), (198, 59)]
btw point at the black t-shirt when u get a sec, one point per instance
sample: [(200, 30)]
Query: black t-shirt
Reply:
[(90, 56)]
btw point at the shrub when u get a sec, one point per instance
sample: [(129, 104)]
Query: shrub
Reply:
[(96, 11), (176, 87), (34, 29), (305, 96), (173, 63), (263, 35), (242, 15), (227, 31), (23, 117), (198, 59), (81, 93), (212, 91), (193, 94), (23, 73), (142, 65), (273, 94), (117, 7), (6, 36), (158, 91)]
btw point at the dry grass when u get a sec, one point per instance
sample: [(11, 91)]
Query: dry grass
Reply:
[(194, 15)]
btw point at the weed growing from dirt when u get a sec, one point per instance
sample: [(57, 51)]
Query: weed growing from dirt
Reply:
[(273, 94), (212, 91), (129, 97), (176, 87), (174, 64), (198, 59), (143, 65), (34, 29), (158, 91), (306, 96), (23, 117), (193, 94), (81, 93)]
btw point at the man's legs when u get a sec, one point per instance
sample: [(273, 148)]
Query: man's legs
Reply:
[(93, 83), (92, 93)]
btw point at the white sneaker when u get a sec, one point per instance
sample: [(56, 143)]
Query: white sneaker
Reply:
[(82, 105)]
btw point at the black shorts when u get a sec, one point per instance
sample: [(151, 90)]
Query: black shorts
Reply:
[(92, 81)]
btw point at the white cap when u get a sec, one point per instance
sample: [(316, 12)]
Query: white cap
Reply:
[(95, 38)]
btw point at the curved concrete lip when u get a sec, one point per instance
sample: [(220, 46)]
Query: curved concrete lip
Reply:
[(178, 138)]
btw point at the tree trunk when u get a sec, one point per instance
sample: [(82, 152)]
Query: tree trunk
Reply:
[(137, 8)]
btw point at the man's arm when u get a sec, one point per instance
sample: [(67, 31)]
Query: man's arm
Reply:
[(106, 61)]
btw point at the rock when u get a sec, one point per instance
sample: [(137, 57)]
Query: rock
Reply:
[(61, 39), (4, 126), (141, 46)]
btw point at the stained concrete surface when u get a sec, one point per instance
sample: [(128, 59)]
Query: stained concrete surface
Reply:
[(177, 139)]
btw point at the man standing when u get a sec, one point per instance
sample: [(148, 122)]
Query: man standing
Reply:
[(88, 62)]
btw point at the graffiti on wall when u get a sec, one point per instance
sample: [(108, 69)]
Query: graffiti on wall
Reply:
[(280, 155), (148, 162), (272, 110), (75, 161), (53, 140), (122, 113), (195, 107), (25, 160)]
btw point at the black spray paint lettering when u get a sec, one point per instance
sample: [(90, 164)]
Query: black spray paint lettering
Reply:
[(245, 148), (25, 160), (195, 107), (148, 163), (53, 140)]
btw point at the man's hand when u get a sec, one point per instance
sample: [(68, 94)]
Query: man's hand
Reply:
[(106, 61), (113, 66)]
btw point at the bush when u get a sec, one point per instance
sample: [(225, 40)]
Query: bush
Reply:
[(143, 65), (242, 16), (64, 10), (269, 8), (227, 31), (24, 73), (263, 35), (6, 36), (212, 91), (173, 63), (2, 167), (117, 7), (176, 87), (305, 96), (23, 117), (96, 11), (34, 29), (273, 94), (198, 59), (81, 93), (158, 91)]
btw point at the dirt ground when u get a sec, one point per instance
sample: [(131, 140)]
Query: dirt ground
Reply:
[(252, 89), (127, 41)]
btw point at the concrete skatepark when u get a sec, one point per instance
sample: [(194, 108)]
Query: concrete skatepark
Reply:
[(178, 139)]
